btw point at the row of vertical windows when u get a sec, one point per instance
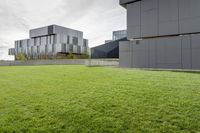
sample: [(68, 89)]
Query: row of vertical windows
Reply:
[(49, 40)]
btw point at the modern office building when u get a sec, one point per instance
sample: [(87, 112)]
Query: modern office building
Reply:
[(111, 47), (161, 34), (51, 41)]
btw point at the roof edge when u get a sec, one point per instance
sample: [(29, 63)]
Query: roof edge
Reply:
[(125, 2)]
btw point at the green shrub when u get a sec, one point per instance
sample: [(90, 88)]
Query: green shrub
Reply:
[(70, 56), (20, 56), (84, 56)]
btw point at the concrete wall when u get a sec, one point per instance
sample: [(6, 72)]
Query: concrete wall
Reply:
[(150, 18), (179, 52), (87, 62)]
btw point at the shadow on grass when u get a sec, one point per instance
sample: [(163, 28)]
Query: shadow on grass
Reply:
[(177, 71)]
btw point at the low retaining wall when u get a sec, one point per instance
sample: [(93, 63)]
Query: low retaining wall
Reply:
[(105, 62), (87, 62)]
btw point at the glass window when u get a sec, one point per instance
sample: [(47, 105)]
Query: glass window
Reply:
[(75, 40), (68, 39), (70, 48)]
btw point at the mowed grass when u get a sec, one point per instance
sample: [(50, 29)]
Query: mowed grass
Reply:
[(79, 99)]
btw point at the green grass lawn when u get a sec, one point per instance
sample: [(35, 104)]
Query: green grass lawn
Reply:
[(79, 99)]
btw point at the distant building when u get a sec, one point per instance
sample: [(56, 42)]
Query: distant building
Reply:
[(107, 41), (51, 41), (111, 47), (107, 50), (119, 34)]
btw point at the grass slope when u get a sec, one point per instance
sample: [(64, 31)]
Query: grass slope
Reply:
[(102, 100)]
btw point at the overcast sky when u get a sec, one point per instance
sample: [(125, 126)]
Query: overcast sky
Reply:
[(96, 18)]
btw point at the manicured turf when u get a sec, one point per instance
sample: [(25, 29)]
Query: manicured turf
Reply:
[(98, 100)]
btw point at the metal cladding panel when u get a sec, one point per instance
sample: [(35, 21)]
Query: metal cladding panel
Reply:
[(75, 48), (63, 49), (133, 20), (16, 47), (37, 41), (24, 46), (195, 40), (189, 16), (181, 52), (149, 18), (80, 39), (31, 42), (125, 54), (186, 52), (34, 50), (152, 53), (42, 49), (124, 46), (84, 49), (49, 48), (58, 38), (43, 40), (52, 40), (57, 47), (195, 59), (169, 52), (168, 17), (49, 40), (63, 38), (140, 54), (29, 50), (67, 48), (39, 32), (72, 33)]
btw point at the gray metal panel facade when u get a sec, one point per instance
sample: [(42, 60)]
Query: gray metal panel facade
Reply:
[(152, 18), (125, 54), (133, 22), (169, 52), (38, 32), (169, 31), (49, 40), (168, 17), (149, 18), (180, 52), (189, 15), (152, 53), (186, 52), (140, 54), (195, 41)]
